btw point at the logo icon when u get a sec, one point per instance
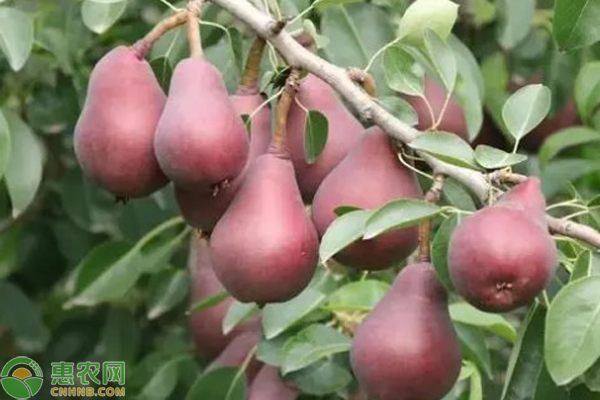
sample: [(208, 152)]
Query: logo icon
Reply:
[(21, 378)]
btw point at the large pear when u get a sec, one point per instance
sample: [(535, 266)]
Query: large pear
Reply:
[(369, 177), (407, 349), (114, 136)]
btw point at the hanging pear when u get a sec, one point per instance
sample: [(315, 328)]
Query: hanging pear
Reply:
[(343, 131), (265, 245), (369, 177), (207, 325), (268, 385), (407, 348), (114, 136), (502, 256), (201, 206), (200, 139)]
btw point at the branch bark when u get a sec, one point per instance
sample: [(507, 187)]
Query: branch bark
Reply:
[(297, 56)]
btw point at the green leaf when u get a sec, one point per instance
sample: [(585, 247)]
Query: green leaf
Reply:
[(576, 23), (572, 344), (469, 90), (564, 139), (163, 71), (583, 266), (277, 318), (474, 347), (312, 344), (114, 281), (447, 147), (558, 173), (457, 195), (439, 249), (492, 158), (219, 384), (236, 42), (163, 382), (342, 232), (316, 129), (321, 378), (402, 73), (270, 351), (438, 16), (525, 109), (586, 89), (442, 58), (475, 385), (592, 377), (398, 214), (24, 172), (4, 145), (23, 318), (121, 336), (469, 315), (357, 296), (16, 36), (237, 313), (99, 16), (170, 288), (527, 377), (516, 20), (209, 301), (363, 29), (400, 109)]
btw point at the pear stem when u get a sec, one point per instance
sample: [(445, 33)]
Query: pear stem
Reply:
[(193, 31), (143, 46), (432, 196), (364, 79), (249, 82), (278, 144)]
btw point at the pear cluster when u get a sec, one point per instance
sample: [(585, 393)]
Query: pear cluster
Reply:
[(248, 192)]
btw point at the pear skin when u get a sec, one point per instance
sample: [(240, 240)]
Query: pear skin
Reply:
[(502, 256), (200, 139), (202, 207), (114, 136), (344, 131), (265, 245), (207, 325), (236, 353), (268, 385), (407, 348), (369, 177)]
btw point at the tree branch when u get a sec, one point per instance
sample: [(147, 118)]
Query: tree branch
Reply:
[(297, 56)]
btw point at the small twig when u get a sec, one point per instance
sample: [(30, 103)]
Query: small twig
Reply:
[(193, 31), (278, 146), (143, 46), (249, 82), (432, 196), (364, 79)]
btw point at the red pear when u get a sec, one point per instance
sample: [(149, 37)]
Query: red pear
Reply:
[(268, 385), (369, 177), (265, 246), (202, 207), (207, 325), (407, 349), (200, 139), (114, 136), (502, 256), (454, 117), (344, 131), (237, 351)]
